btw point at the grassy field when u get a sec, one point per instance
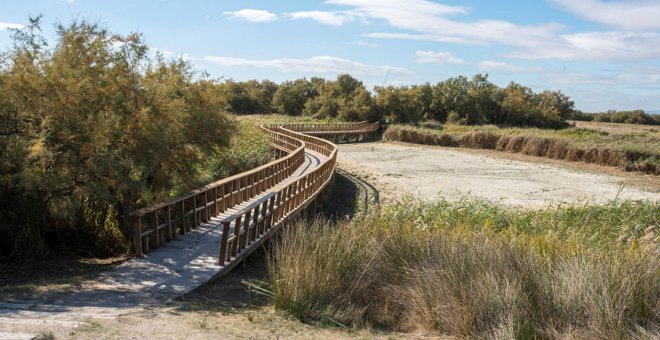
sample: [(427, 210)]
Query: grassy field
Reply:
[(478, 270), (632, 150)]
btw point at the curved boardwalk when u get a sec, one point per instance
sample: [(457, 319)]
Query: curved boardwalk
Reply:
[(199, 235)]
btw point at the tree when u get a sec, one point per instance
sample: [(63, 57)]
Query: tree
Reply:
[(345, 99), (556, 105), (291, 96), (94, 127), (400, 104)]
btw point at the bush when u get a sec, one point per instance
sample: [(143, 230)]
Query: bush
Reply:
[(92, 128)]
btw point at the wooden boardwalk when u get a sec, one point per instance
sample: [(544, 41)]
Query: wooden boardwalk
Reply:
[(193, 238)]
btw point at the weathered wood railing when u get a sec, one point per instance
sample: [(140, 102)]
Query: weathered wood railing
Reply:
[(250, 226), (340, 131), (157, 224), (343, 128), (253, 204)]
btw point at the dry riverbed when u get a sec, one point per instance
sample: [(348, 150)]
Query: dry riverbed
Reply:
[(429, 172)]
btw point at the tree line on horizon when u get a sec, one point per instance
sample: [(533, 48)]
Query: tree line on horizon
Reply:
[(458, 100)]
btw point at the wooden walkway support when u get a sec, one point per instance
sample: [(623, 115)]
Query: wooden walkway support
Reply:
[(249, 207)]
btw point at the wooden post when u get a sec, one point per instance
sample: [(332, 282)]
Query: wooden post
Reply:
[(255, 222), (195, 211), (223, 242), (157, 230), (246, 227), (223, 202), (184, 218), (237, 232), (271, 217), (137, 234), (171, 233), (264, 215)]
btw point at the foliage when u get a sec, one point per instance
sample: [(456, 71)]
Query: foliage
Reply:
[(634, 151), (613, 116), (95, 125), (248, 97), (456, 100), (249, 148), (291, 96), (402, 104), (475, 269), (345, 99)]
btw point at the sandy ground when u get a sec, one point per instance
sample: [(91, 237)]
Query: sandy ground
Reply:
[(430, 172)]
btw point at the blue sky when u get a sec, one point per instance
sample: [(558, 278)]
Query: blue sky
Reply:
[(604, 54)]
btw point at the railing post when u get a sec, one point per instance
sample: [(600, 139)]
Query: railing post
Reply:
[(195, 211), (157, 230), (255, 227), (223, 242), (137, 234), (237, 233), (246, 228), (169, 223)]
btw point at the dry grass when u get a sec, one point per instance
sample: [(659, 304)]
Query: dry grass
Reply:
[(473, 269), (634, 151)]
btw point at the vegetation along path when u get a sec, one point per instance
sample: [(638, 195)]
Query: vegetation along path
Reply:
[(234, 218)]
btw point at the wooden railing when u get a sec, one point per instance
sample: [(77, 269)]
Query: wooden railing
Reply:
[(254, 203), (256, 222), (341, 128), (157, 224)]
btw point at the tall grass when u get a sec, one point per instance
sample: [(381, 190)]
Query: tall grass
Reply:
[(631, 151), (475, 269)]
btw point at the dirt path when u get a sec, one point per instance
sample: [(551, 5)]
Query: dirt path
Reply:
[(429, 172)]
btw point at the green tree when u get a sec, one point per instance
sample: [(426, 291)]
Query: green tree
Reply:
[(291, 96), (345, 99), (95, 127), (400, 104)]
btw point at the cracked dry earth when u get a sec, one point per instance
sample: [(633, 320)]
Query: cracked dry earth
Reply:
[(431, 172)]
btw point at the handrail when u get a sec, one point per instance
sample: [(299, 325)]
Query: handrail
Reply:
[(162, 222), (255, 223), (343, 128), (189, 210)]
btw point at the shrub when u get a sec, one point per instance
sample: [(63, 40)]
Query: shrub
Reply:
[(92, 128)]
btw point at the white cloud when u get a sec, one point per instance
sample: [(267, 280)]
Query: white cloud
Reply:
[(430, 21), (595, 46), (327, 18), (317, 64), (437, 58), (630, 15), (6, 25), (489, 65), (422, 37), (364, 43), (253, 15)]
